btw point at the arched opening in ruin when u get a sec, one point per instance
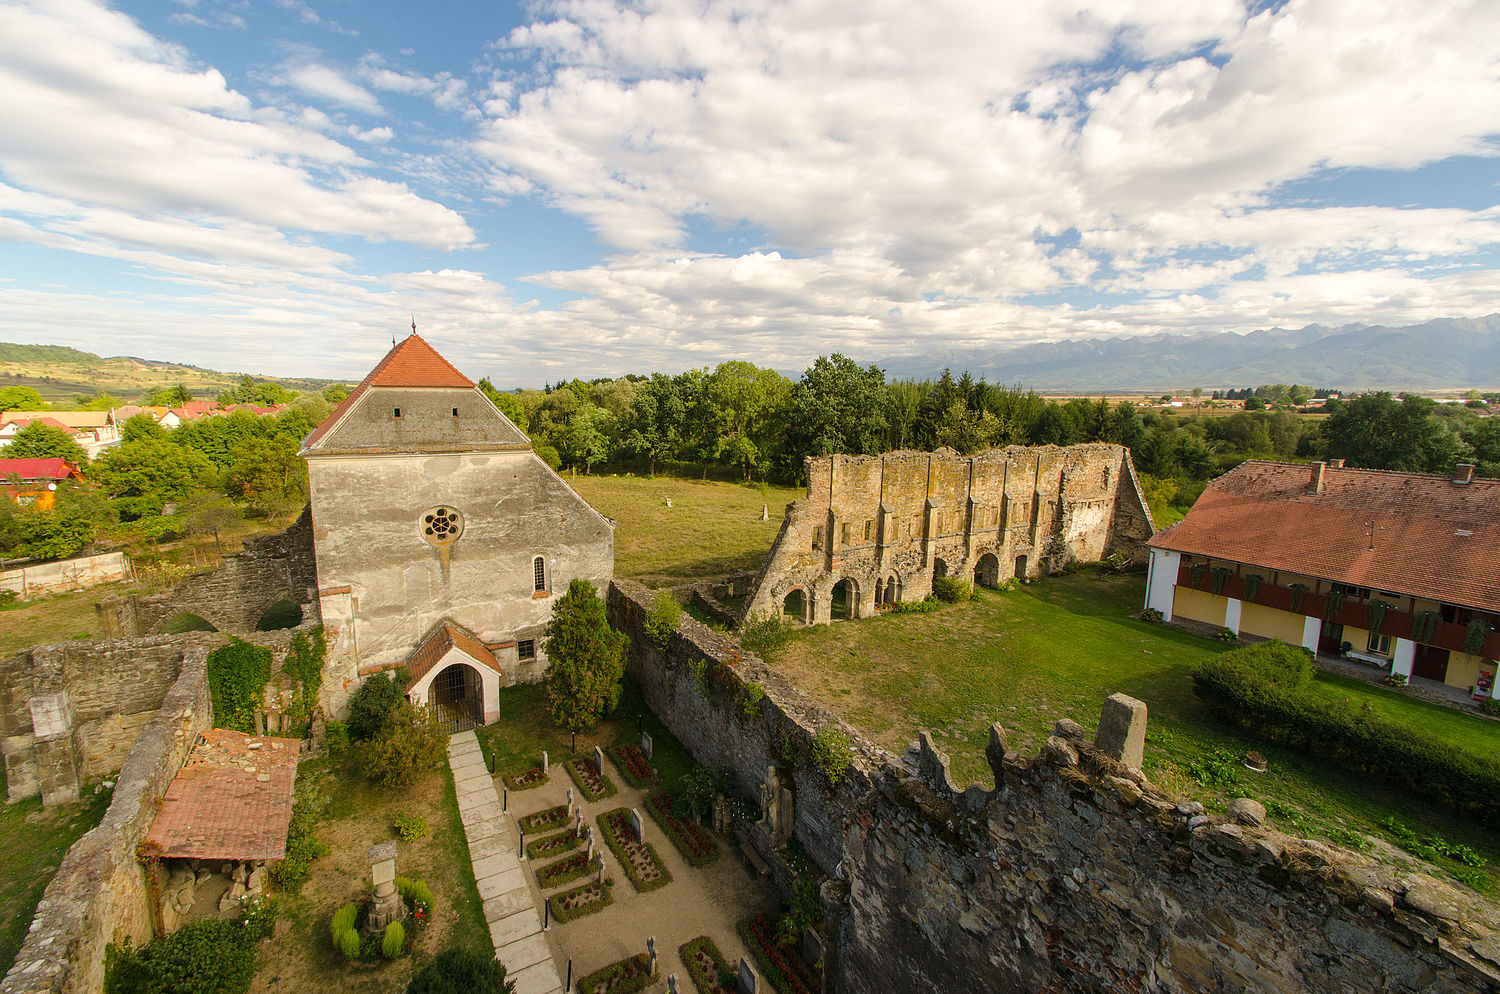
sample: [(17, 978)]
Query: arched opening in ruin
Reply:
[(887, 593), (794, 605), (282, 614), (939, 569), (845, 602), (456, 697), (987, 572), (186, 621), (1020, 567)]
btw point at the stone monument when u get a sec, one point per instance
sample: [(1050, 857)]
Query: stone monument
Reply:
[(775, 808), (386, 906)]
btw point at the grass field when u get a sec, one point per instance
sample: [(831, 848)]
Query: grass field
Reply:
[(1057, 648), (710, 530)]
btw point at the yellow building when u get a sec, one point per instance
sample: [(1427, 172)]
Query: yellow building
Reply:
[(1396, 569)]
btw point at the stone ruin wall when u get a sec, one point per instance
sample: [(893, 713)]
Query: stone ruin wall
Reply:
[(906, 516), (233, 596), (100, 894), (1072, 874)]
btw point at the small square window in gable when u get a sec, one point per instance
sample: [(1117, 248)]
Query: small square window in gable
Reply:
[(397, 412), (455, 412)]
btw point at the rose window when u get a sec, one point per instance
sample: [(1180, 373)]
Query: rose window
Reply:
[(442, 525)]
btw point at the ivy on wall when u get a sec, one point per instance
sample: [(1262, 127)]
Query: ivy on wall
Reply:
[(237, 675), (1252, 584), (1424, 626), (304, 663)]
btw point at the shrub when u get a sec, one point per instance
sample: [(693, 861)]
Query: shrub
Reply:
[(830, 750), (1227, 635), (403, 887), (764, 636), (458, 971), (1152, 615), (1475, 636), (336, 737), (421, 895), (1396, 680), (615, 827), (408, 745), (661, 620), (692, 841), (302, 847), (393, 940), (754, 694), (713, 977), (926, 606), (952, 590), (410, 827), (1263, 688), (346, 941), (304, 663), (237, 675), (625, 977), (204, 956), (805, 910), (343, 919), (586, 659), (375, 699)]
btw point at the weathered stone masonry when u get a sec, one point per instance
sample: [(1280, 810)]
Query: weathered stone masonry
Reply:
[(1072, 874), (884, 526)]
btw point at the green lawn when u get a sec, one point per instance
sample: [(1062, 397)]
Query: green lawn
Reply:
[(514, 744), (710, 530), (1057, 648)]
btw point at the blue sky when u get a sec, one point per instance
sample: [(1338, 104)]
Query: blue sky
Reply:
[(588, 187)]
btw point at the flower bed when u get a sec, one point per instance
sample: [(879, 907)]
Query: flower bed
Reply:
[(554, 845), (590, 781), (529, 780), (696, 845), (783, 968), (558, 873), (618, 978), (580, 901), (632, 764), (544, 821), (637, 859), (705, 964)]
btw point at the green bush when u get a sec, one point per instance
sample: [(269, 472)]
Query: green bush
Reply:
[(924, 606), (754, 695), (830, 750), (411, 827), (952, 590), (421, 894), (301, 846), (204, 956), (458, 971), (764, 636), (373, 702), (304, 663), (408, 745), (343, 919), (403, 887), (336, 736), (1263, 689), (346, 941), (661, 621), (237, 675), (393, 941)]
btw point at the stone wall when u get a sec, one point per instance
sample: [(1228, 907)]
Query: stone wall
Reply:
[(1072, 874), (880, 528), (234, 596), (68, 574), (100, 893)]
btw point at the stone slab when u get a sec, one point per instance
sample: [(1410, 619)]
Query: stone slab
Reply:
[(488, 866), (499, 842), (467, 802), (466, 752), (540, 978), (515, 927), (525, 952), (508, 904), (500, 883), (468, 764), (478, 829)]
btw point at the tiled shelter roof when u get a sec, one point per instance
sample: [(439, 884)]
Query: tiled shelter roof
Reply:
[(231, 800), (1416, 534), (444, 637)]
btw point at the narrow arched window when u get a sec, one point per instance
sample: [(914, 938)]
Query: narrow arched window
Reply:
[(539, 575)]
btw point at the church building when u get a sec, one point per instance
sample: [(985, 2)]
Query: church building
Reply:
[(441, 538)]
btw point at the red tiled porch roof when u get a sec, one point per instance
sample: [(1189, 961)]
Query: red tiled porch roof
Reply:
[(444, 637)]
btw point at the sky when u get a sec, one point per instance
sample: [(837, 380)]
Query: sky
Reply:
[(588, 187)]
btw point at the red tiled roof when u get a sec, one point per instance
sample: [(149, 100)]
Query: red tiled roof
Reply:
[(48, 421), (1415, 534), (37, 469), (444, 637), (231, 800), (409, 363)]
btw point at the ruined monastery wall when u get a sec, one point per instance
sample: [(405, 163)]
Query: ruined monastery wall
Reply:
[(888, 524), (1072, 874)]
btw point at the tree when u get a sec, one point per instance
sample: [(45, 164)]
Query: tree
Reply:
[(748, 402), (268, 473), (653, 426), (67, 528), (586, 437), (208, 513), (507, 403), (838, 407), (98, 402), (408, 745), (336, 393), (167, 396), (21, 399), (143, 475), (585, 659), (39, 441), (262, 393), (458, 971), (375, 699)]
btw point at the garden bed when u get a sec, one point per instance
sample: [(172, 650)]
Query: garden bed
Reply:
[(695, 844), (593, 784), (624, 977), (782, 967), (705, 964), (531, 779), (544, 821), (637, 859), (581, 901), (554, 845), (566, 869), (633, 765)]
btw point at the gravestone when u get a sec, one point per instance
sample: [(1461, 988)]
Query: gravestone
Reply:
[(600, 857), (599, 760), (671, 983), (386, 906), (646, 744), (812, 947), (1122, 730), (636, 826), (544, 760), (746, 981), (765, 512), (650, 956), (578, 822), (569, 796)]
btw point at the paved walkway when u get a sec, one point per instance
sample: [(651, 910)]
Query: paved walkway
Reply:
[(515, 928)]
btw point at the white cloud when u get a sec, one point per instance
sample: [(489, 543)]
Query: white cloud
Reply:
[(329, 84)]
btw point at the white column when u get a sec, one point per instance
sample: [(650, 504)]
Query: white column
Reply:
[(1161, 583), (1402, 657), (1311, 628), (1232, 614)]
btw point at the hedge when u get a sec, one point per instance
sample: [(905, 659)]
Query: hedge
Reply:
[(1263, 689)]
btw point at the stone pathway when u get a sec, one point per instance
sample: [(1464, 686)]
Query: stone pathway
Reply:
[(515, 927)]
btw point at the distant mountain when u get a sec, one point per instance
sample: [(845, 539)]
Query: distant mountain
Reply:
[(1440, 354)]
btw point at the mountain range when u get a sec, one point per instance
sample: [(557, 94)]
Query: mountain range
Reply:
[(1442, 354)]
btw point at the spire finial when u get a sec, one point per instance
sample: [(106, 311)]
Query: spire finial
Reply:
[(413, 324)]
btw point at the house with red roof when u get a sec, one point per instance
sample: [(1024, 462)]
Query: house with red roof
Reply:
[(442, 539), (94, 431), (35, 481), (1395, 569)]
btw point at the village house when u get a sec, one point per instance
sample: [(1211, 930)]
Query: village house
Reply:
[(1394, 569), (35, 481), (94, 431)]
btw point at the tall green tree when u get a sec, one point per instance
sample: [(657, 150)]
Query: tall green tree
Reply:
[(585, 659), (838, 406), (749, 403), (143, 475), (654, 426), (174, 396), (21, 399), (39, 441)]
